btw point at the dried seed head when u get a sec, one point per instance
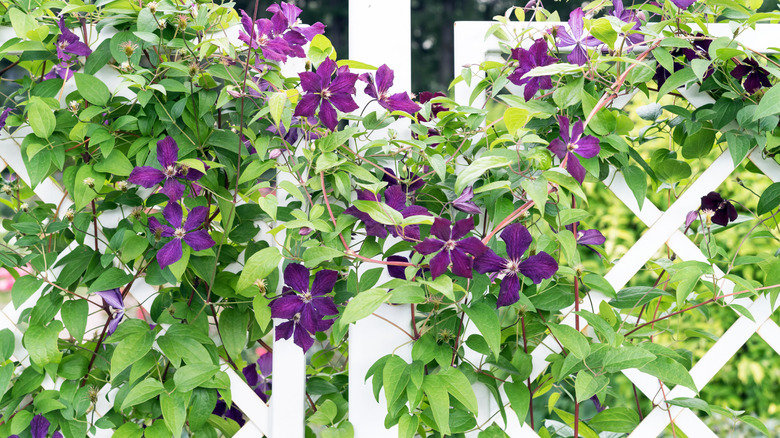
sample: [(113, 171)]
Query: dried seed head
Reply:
[(89, 182), (92, 393), (70, 215), (129, 48), (261, 284), (121, 185), (152, 7), (8, 190), (137, 212), (73, 106), (194, 69), (24, 207), (182, 22)]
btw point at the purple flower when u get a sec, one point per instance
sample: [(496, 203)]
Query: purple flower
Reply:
[(68, 43), (464, 202), (683, 4), (571, 144), (39, 428), (717, 209), (221, 410), (3, 116), (690, 217), (578, 55), (536, 267), (260, 381), (395, 198), (436, 108), (409, 185), (379, 91), (325, 93), (289, 13), (263, 34), (587, 237), (757, 76), (114, 306), (628, 16), (61, 70), (167, 154), (304, 307), (529, 59), (451, 247), (188, 231)]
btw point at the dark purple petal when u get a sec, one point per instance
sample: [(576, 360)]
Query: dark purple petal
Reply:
[(539, 267), (439, 263), (173, 214), (114, 323), (489, 261), (517, 239), (683, 4), (588, 147), (576, 131), (284, 330), (310, 82), (324, 281), (752, 82), (308, 105), (4, 116), (563, 127), (196, 217), (297, 277), (250, 374), (564, 39), (578, 55), (590, 237), (384, 78), (400, 102), (576, 21), (344, 83), (265, 363), (325, 71), (39, 426), (741, 70), (558, 148), (462, 227), (395, 197), (170, 253), (311, 31), (711, 201), (286, 306), (575, 168), (343, 102), (428, 246), (57, 434), (472, 245), (463, 202), (146, 176), (509, 292), (461, 263), (164, 230), (325, 305), (441, 229), (199, 240), (167, 152), (328, 115), (370, 89), (398, 271), (173, 189), (303, 339), (191, 174), (78, 48), (113, 298)]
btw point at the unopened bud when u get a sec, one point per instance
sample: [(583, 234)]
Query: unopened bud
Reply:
[(194, 11), (182, 23), (305, 231), (274, 154), (89, 182)]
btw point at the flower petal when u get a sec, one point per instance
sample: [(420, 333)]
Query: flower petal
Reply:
[(307, 106), (588, 147), (167, 152), (199, 240), (174, 189), (578, 55), (517, 239), (173, 214), (327, 115), (297, 277), (429, 246), (170, 253), (396, 271), (39, 426), (461, 263), (250, 374), (557, 147), (590, 237), (576, 21), (154, 225), (509, 292), (384, 78), (146, 176), (196, 217), (472, 245), (113, 298), (284, 330), (325, 305), (439, 263), (441, 228), (462, 227), (539, 267), (324, 281), (286, 306), (343, 102), (400, 102), (489, 261), (310, 82), (575, 168), (302, 339), (265, 363)]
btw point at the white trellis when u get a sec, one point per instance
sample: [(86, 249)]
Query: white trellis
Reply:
[(380, 33)]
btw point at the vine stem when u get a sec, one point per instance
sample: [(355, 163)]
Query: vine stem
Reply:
[(576, 322), (528, 382)]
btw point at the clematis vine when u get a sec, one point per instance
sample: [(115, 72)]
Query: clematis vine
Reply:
[(717, 210), (189, 232), (537, 267), (68, 43), (114, 304), (754, 75), (4, 116), (577, 38), (171, 174), (451, 247), (305, 307), (628, 16), (39, 428), (379, 91), (571, 146), (528, 60), (326, 93)]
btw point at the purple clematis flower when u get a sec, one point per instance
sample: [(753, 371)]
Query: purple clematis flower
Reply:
[(304, 307), (3, 116), (464, 202), (587, 237), (189, 232), (755, 75), (529, 59), (536, 267), (114, 304), (683, 4), (572, 144), (451, 247), (325, 93), (628, 16), (68, 44), (61, 70), (167, 154), (379, 91), (436, 108), (577, 38), (720, 211), (39, 428), (260, 382), (265, 35), (289, 13), (221, 410)]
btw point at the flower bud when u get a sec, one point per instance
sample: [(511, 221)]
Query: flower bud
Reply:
[(194, 69), (89, 182), (182, 23), (274, 154), (305, 231)]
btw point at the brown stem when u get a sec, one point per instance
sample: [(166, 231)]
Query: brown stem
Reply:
[(414, 324), (97, 347), (94, 221), (394, 325), (638, 408)]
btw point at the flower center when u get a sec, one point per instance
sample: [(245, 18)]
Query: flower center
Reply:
[(170, 171), (179, 233), (306, 297), (571, 147), (326, 93), (64, 44), (450, 245), (263, 39), (512, 266)]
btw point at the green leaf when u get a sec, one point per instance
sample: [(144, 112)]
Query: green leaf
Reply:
[(82, 193), (670, 372), (262, 311), (74, 314), (93, 89), (380, 212), (459, 387), (537, 190), (599, 283), (314, 256), (485, 318), (599, 325), (115, 163), (174, 410), (602, 29), (6, 373), (141, 392), (41, 118), (568, 418), (739, 146), (191, 376), (675, 81), (566, 181), (476, 169), (769, 200), (519, 398), (259, 266), (23, 289), (435, 388), (21, 22), (756, 424), (129, 350), (334, 140), (568, 95), (618, 359), (41, 343), (572, 340), (586, 385), (515, 118), (700, 143), (7, 344), (395, 376), (623, 420), (636, 296), (692, 403), (128, 430), (407, 426), (364, 304), (636, 179), (110, 279), (233, 324), (770, 103)]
